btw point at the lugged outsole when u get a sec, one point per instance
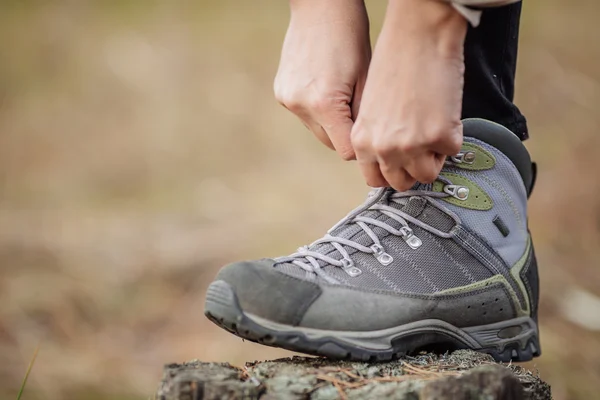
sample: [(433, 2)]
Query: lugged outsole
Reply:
[(222, 307)]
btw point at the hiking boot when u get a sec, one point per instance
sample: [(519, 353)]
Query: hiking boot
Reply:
[(443, 266)]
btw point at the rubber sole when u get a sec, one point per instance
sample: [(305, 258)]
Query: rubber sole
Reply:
[(513, 340)]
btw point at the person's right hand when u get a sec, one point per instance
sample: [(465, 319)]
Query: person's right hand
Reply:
[(323, 68)]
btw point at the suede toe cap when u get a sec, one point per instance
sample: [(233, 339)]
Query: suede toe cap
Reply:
[(264, 291)]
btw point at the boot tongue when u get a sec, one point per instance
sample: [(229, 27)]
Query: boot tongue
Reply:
[(421, 186)]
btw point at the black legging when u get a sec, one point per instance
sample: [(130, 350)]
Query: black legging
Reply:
[(490, 61)]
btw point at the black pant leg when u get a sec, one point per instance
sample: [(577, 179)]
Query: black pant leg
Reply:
[(490, 61)]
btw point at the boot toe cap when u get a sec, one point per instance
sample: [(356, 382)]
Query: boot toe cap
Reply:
[(264, 291)]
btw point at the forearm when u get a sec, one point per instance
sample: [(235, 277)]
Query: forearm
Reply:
[(343, 20), (473, 15), (420, 22), (350, 11)]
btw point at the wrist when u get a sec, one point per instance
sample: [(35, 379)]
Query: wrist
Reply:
[(328, 10), (424, 20)]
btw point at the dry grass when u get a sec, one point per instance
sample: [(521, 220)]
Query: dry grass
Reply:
[(141, 148)]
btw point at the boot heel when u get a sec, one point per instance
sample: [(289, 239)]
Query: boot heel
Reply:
[(514, 340)]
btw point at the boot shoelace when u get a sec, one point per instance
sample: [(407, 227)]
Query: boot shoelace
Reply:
[(307, 259)]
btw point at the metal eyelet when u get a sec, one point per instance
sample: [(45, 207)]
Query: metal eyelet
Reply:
[(469, 157), (381, 256), (410, 238), (464, 158), (349, 268), (457, 191)]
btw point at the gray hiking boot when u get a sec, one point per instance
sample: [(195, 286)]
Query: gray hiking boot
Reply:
[(443, 266)]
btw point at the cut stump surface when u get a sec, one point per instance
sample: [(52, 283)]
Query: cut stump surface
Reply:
[(460, 375)]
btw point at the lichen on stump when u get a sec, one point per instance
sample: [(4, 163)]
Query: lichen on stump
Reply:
[(460, 375)]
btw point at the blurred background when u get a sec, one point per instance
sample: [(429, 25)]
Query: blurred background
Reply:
[(141, 148)]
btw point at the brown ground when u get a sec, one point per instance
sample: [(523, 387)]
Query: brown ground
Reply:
[(141, 148)]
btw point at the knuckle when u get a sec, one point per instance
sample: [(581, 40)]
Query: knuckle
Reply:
[(406, 146), (388, 169), (361, 148), (358, 138), (276, 85), (278, 91), (455, 141), (447, 136), (288, 97), (384, 148), (427, 176), (454, 148), (290, 102), (279, 96), (359, 143), (439, 131)]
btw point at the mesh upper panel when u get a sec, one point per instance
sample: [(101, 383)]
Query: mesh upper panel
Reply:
[(439, 263), (436, 218), (435, 260), (398, 276)]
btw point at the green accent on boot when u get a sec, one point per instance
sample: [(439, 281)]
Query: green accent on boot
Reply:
[(516, 269), (477, 199), (482, 160), (496, 279)]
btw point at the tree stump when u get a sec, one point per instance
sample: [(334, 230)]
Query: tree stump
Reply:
[(460, 375)]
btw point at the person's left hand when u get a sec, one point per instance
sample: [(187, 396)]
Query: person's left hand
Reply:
[(409, 119), (323, 68)]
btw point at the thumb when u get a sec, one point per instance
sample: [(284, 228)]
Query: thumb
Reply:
[(338, 129), (357, 97)]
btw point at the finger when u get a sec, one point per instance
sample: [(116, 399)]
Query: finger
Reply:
[(426, 167), (450, 142), (309, 122), (440, 159), (372, 174), (338, 129), (357, 97), (320, 134), (397, 177), (315, 128), (332, 126)]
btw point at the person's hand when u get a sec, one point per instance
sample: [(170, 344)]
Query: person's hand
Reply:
[(323, 67), (409, 119)]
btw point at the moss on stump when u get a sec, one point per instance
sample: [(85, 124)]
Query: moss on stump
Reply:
[(460, 375)]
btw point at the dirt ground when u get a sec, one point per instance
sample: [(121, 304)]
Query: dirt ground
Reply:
[(141, 149)]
